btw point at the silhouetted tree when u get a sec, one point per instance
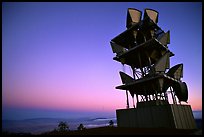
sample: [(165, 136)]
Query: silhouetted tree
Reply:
[(81, 127), (111, 123), (63, 126)]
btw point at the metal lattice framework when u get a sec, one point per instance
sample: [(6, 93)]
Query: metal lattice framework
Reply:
[(143, 46)]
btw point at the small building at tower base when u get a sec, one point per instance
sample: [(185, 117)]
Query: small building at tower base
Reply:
[(157, 116)]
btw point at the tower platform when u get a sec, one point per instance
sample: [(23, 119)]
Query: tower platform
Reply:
[(174, 116)]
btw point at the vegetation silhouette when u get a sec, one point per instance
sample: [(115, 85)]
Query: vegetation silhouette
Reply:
[(81, 127), (111, 123), (63, 126)]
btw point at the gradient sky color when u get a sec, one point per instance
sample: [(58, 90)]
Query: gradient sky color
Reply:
[(56, 57)]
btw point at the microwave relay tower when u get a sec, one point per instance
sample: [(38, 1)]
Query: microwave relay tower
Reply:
[(143, 46)]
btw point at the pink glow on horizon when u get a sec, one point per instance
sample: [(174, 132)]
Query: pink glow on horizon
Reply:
[(60, 96), (195, 102), (81, 101), (66, 94)]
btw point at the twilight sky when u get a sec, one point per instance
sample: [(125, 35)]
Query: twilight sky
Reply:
[(57, 58)]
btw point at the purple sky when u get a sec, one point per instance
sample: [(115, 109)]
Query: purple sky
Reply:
[(56, 57)]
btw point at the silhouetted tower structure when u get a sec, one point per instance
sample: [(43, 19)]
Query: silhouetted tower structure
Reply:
[(143, 46)]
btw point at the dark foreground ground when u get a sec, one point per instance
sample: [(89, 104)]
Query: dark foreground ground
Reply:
[(119, 131), (127, 131), (122, 131)]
